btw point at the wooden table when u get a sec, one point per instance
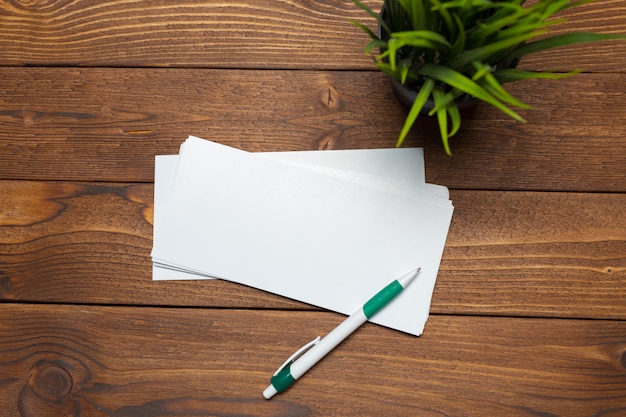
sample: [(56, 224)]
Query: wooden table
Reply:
[(529, 312)]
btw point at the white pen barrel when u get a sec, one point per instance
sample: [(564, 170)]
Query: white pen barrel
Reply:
[(328, 343)]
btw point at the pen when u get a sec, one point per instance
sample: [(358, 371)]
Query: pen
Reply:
[(311, 353)]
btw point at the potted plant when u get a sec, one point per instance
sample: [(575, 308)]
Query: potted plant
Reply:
[(444, 54)]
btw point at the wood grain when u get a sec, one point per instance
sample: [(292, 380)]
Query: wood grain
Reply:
[(534, 254), (240, 34), (107, 124), (508, 253), (102, 361), (78, 242), (529, 312)]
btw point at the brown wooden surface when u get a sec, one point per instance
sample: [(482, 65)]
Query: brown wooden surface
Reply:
[(126, 361), (522, 253), (529, 311), (249, 34), (107, 124)]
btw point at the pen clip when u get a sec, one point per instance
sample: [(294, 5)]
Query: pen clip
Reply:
[(298, 353)]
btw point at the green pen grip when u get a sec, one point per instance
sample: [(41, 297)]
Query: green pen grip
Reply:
[(382, 298), (283, 379)]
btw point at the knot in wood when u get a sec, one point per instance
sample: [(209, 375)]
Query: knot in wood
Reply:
[(330, 98), (52, 383)]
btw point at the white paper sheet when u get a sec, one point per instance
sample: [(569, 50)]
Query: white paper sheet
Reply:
[(327, 236), (390, 168)]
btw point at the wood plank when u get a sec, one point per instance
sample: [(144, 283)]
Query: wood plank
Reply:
[(96, 361), (240, 34), (90, 243), (508, 253), (107, 124), (535, 254), (601, 17)]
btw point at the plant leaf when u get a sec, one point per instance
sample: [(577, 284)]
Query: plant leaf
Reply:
[(493, 86), (416, 108), (416, 11), (459, 44), (364, 29), (385, 68), (458, 80), (373, 14), (512, 74), (483, 53), (417, 42), (405, 66), (442, 119), (445, 14), (422, 34), (559, 40), (446, 100), (505, 97), (375, 43), (520, 29), (481, 70), (455, 117), (395, 44), (498, 22)]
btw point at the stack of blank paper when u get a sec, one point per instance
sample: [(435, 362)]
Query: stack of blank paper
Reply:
[(329, 228)]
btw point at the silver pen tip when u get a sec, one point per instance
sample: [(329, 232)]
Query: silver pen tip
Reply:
[(406, 279)]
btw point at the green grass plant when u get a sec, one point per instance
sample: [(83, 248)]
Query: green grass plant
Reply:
[(448, 50)]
